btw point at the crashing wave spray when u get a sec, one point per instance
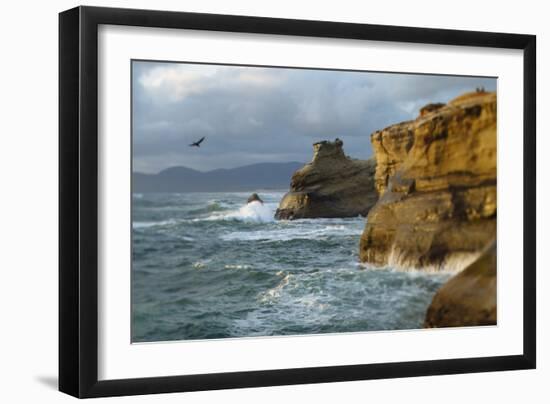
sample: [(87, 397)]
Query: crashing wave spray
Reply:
[(251, 212)]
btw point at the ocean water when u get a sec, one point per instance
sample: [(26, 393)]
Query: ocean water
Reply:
[(207, 265)]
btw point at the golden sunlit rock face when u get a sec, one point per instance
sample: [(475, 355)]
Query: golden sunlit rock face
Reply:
[(436, 180), (469, 298), (331, 185)]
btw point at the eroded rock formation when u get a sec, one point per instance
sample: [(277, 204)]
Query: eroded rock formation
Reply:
[(331, 185), (436, 176), (469, 298)]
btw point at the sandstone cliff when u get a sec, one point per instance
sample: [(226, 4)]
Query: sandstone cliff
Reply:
[(331, 185), (436, 177), (469, 298)]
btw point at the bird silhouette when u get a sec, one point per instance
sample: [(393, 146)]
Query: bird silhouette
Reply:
[(198, 142)]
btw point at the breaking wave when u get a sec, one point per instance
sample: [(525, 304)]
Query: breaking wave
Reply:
[(251, 212), (161, 223), (294, 232)]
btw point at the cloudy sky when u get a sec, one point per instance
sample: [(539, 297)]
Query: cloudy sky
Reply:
[(251, 114)]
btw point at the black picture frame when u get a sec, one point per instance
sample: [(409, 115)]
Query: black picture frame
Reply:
[(78, 200)]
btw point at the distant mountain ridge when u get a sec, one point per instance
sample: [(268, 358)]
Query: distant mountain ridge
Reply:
[(245, 178)]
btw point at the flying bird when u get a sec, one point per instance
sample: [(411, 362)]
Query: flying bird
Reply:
[(198, 142)]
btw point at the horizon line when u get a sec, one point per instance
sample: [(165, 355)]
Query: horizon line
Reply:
[(215, 169)]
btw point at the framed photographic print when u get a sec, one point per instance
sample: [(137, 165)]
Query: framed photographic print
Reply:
[(250, 201)]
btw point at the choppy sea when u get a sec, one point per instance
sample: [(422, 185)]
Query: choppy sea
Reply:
[(208, 265)]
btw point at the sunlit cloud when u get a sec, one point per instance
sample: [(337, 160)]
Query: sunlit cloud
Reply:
[(175, 82)]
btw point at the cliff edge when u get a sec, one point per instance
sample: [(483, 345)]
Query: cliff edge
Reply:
[(436, 177)]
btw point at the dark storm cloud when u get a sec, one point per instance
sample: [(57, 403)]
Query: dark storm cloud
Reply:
[(252, 115)]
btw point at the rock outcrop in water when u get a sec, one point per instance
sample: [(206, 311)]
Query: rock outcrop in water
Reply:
[(331, 185), (254, 198), (436, 177), (469, 298)]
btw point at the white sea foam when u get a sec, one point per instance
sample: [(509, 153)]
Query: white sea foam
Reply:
[(397, 261), (141, 225), (201, 264), (237, 266), (274, 293), (453, 262), (251, 212), (293, 232)]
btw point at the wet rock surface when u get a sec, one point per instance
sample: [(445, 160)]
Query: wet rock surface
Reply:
[(469, 298)]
